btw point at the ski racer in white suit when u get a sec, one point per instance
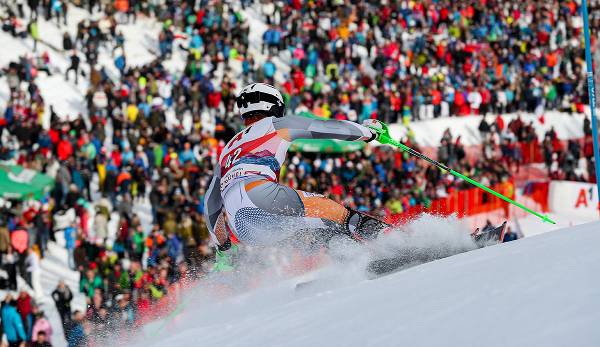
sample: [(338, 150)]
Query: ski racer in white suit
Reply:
[(244, 196)]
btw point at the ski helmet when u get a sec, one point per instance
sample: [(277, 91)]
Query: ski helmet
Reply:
[(260, 98)]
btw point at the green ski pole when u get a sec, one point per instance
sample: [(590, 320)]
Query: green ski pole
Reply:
[(385, 138)]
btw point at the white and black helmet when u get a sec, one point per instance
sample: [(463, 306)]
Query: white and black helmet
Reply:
[(260, 98)]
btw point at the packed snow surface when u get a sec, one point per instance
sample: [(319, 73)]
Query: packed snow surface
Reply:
[(538, 291)]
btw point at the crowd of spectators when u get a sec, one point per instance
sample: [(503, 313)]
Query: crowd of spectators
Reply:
[(420, 59), (23, 321), (127, 271), (571, 160), (150, 137), (395, 61)]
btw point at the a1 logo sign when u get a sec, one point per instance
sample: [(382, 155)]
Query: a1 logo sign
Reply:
[(582, 197)]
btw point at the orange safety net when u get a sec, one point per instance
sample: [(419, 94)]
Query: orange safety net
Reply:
[(462, 203)]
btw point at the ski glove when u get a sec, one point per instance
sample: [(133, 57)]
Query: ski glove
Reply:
[(224, 259), (376, 127)]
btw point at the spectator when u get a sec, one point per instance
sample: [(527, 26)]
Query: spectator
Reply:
[(75, 331), (25, 309), (32, 27), (269, 69), (19, 240), (4, 239), (62, 297), (41, 326), (41, 340), (59, 9), (121, 62), (20, 4), (90, 282), (67, 42), (124, 311), (33, 8), (34, 272), (12, 324), (75, 68), (70, 239), (9, 263)]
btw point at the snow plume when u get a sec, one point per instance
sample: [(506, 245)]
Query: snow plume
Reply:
[(266, 279), (425, 239), (262, 281)]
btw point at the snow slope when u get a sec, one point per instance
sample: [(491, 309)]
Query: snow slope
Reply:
[(538, 291)]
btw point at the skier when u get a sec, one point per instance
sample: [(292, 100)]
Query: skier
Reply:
[(244, 196)]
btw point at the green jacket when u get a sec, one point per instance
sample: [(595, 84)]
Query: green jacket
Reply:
[(33, 30), (138, 242), (158, 155), (552, 93), (87, 287), (155, 292), (124, 280)]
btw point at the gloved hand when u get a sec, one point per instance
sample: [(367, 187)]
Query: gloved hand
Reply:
[(377, 127), (224, 259)]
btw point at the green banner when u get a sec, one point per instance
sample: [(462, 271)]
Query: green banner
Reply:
[(324, 145), (17, 182)]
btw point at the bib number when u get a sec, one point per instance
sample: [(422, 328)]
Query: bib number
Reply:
[(232, 158)]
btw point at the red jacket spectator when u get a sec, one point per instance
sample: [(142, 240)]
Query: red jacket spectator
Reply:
[(298, 77), (64, 150), (19, 240), (24, 305), (214, 99), (115, 155), (436, 97)]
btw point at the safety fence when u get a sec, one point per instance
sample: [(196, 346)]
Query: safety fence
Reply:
[(573, 198), (461, 203)]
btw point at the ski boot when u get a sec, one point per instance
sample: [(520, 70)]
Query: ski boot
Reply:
[(489, 236), (363, 227)]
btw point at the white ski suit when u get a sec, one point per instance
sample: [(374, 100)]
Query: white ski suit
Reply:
[(245, 185)]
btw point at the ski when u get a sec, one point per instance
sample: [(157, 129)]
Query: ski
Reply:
[(408, 258)]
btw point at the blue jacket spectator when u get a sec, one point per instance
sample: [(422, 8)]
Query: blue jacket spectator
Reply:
[(12, 323), (75, 333), (269, 69)]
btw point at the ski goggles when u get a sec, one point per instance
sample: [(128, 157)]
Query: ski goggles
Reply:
[(255, 97)]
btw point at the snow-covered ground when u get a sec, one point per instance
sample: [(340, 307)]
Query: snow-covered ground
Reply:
[(538, 291), (531, 225)]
